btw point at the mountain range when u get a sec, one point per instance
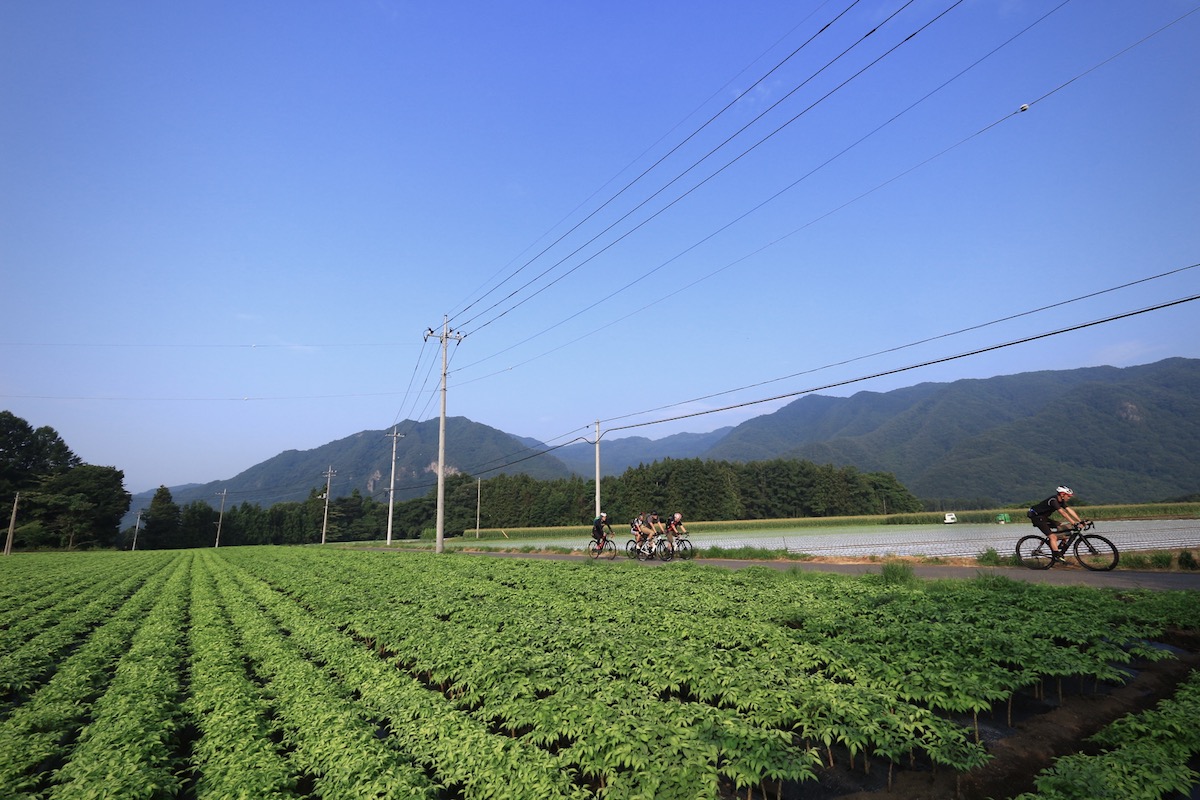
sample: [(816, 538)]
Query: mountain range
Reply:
[(1115, 435)]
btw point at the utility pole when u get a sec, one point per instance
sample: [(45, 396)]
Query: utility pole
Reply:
[(597, 468), (478, 503), (392, 491), (12, 526), (445, 336), (220, 518), (137, 524), (329, 473)]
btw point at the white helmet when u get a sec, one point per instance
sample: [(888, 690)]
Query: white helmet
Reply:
[(1064, 490)]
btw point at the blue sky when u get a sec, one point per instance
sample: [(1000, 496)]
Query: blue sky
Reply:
[(225, 228)]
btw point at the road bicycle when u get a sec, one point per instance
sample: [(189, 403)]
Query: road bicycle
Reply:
[(1091, 550), (604, 546), (681, 549)]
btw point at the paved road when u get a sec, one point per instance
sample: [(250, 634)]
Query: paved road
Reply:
[(1058, 575)]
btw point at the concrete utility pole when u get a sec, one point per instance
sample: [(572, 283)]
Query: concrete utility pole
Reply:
[(445, 336), (137, 524), (329, 473), (392, 491), (220, 518), (12, 526), (597, 468)]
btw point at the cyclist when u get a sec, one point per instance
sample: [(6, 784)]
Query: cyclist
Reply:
[(1040, 515), (645, 524), (656, 524), (598, 526), (674, 523)]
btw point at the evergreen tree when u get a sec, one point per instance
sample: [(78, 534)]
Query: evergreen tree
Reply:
[(84, 505), (161, 523), (28, 456)]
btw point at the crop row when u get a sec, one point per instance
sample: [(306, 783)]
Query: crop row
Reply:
[(39, 733), (549, 653), (327, 737), (236, 753), (458, 751), (56, 617), (300, 672), (618, 733), (1146, 755)]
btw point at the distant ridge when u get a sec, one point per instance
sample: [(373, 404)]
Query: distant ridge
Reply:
[(1116, 435)]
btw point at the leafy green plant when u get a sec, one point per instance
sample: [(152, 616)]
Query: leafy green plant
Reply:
[(1187, 560), (990, 558), (897, 572), (1161, 559)]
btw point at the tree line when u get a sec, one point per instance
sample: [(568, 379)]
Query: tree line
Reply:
[(60, 501), (68, 504), (698, 489)]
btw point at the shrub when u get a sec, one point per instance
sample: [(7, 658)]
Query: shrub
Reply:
[(897, 572), (1135, 560), (990, 558), (1161, 559), (1187, 560)]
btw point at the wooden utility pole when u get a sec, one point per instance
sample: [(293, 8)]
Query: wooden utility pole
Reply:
[(220, 518), (329, 473), (12, 526)]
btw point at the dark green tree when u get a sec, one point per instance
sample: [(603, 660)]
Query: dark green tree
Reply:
[(28, 456), (161, 523), (83, 506), (198, 525)]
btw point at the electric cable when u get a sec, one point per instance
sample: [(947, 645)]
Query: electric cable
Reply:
[(832, 211), (704, 181), (645, 172), (916, 343), (943, 360)]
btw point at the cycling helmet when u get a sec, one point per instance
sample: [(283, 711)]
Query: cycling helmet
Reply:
[(1064, 490), (603, 514)]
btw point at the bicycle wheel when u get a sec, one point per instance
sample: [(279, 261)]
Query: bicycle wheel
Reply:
[(594, 549), (645, 552), (683, 549), (631, 548), (1034, 552), (1096, 553), (663, 550), (610, 549)]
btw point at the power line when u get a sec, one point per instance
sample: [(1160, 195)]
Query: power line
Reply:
[(645, 172), (832, 211), (932, 362), (695, 164), (916, 343)]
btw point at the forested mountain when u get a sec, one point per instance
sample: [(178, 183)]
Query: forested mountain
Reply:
[(362, 462), (1114, 435), (618, 455)]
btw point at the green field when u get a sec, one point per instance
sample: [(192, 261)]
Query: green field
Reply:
[(311, 672)]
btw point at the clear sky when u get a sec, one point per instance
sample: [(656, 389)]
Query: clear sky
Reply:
[(226, 227)]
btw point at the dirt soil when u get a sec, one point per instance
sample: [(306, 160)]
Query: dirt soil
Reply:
[(1042, 731)]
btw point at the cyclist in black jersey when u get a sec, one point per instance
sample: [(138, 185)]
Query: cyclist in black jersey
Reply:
[(598, 526), (1040, 514)]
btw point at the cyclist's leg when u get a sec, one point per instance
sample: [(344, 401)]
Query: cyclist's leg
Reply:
[(1046, 526)]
